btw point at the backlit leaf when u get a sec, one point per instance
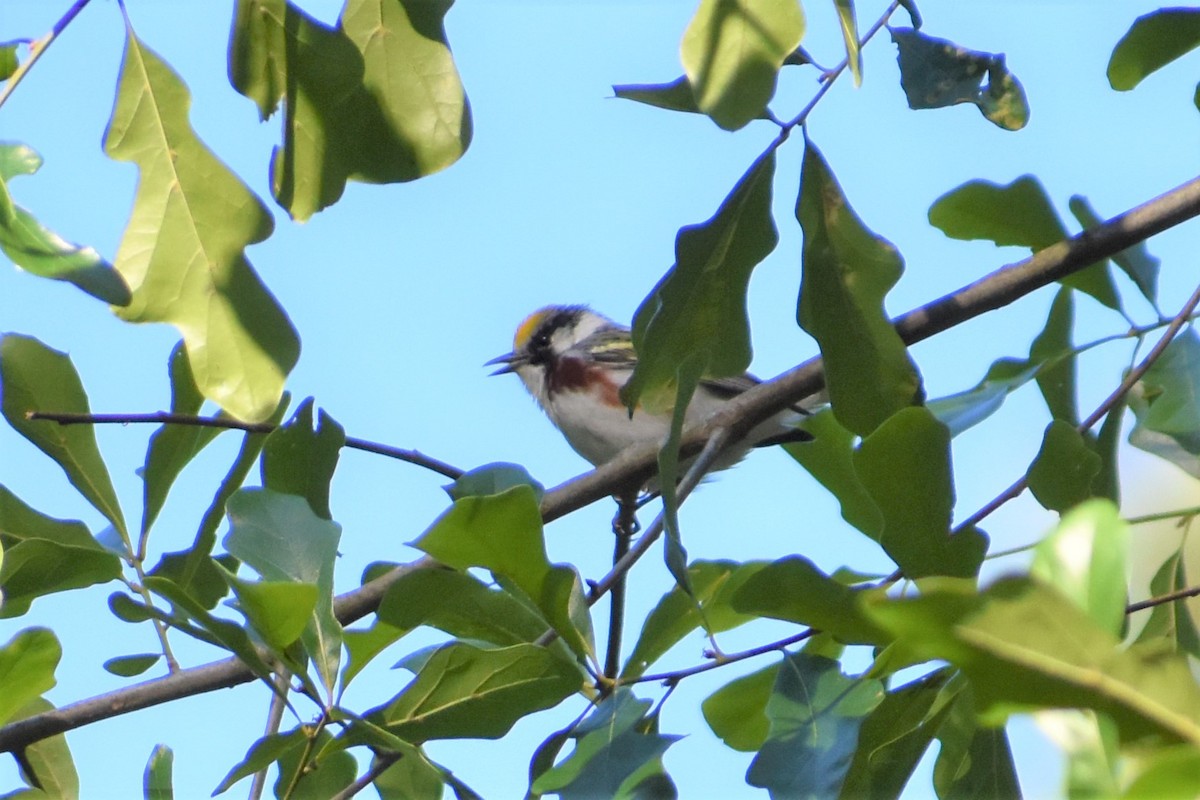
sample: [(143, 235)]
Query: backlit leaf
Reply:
[(1085, 559), (376, 99), (732, 51), (27, 664), (1153, 41), (42, 252), (1023, 646), (182, 252)]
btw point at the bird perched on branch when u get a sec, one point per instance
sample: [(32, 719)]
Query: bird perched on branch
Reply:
[(574, 363)]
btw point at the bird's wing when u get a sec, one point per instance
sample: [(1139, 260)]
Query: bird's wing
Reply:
[(611, 346)]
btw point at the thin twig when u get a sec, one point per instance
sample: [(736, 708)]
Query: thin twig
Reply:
[(167, 418), (38, 47), (1117, 395), (274, 718), (675, 676), (1170, 597)]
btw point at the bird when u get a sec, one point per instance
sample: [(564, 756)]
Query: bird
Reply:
[(574, 361)]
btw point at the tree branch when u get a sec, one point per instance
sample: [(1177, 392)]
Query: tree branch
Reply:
[(1170, 597), (991, 292), (222, 674), (636, 464)]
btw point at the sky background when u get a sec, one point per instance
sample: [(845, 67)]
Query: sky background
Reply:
[(400, 293)]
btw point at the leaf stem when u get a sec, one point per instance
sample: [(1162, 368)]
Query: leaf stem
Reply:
[(674, 677), (39, 46)]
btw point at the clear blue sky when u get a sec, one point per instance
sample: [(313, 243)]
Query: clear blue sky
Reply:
[(400, 293)]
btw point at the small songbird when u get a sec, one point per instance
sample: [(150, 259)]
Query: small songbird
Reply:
[(574, 363)]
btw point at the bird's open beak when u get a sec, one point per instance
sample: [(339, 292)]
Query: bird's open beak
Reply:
[(510, 361)]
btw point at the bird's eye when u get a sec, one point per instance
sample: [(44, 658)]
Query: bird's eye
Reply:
[(541, 341)]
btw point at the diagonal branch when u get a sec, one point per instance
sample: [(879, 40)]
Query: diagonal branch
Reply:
[(987, 294)]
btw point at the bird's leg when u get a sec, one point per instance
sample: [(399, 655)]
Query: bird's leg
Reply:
[(624, 526)]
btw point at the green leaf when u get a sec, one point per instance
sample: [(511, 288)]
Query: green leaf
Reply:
[(1135, 261), (974, 761), (1062, 473), (849, 26), (459, 604), (1165, 404), (1153, 41), (129, 666), (280, 537), (464, 691), (376, 99), (49, 761), (126, 609), (714, 586), (828, 458), (964, 410), (44, 555), (205, 583), (1023, 645), (172, 447), (936, 73), (317, 772), (27, 664), (37, 378), (38, 250), (793, 589), (737, 712), (363, 645), (156, 782), (278, 610), (493, 479), (732, 51), (182, 252), (1171, 623), (616, 747), (1052, 349), (300, 458), (411, 777), (503, 533), (847, 271), (698, 309), (905, 467), (228, 634), (1085, 559), (1107, 445), (196, 571), (262, 754), (895, 736), (1170, 773), (674, 96), (8, 59), (1018, 214), (815, 714)]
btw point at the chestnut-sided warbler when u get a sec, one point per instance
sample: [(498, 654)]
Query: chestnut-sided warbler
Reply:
[(574, 363)]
